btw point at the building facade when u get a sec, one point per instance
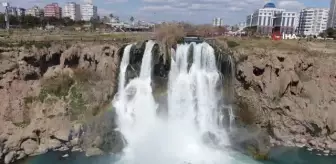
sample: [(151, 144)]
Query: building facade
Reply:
[(263, 18), (217, 22), (53, 10), (332, 15), (35, 11), (89, 11), (72, 10), (249, 20), (313, 21), (21, 12), (12, 11), (285, 22)]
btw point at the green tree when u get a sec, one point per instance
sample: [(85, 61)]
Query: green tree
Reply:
[(111, 15), (132, 19), (330, 32), (105, 19)]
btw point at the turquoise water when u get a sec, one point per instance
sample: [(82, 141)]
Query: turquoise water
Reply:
[(278, 156)]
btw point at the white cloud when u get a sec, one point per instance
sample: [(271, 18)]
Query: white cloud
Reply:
[(291, 5), (233, 11), (202, 10)]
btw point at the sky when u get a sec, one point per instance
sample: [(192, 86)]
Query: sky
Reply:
[(192, 11)]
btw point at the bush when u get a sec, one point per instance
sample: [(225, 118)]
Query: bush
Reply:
[(58, 86), (232, 44)]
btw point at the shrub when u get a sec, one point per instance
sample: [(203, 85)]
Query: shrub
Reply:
[(57, 86), (232, 44)]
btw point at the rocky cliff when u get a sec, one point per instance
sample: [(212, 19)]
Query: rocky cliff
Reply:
[(57, 96), (51, 95), (289, 94)]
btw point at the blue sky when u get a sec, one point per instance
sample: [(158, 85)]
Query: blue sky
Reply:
[(193, 11)]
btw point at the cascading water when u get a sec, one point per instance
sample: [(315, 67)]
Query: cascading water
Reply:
[(192, 133)]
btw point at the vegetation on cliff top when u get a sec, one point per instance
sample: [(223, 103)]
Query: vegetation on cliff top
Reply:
[(74, 90)]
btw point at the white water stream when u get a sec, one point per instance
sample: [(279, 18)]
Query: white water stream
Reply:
[(192, 133)]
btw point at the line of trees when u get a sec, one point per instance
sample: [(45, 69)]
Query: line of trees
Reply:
[(29, 21)]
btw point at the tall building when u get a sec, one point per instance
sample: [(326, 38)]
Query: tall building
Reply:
[(12, 11), (21, 11), (35, 11), (217, 22), (53, 10), (285, 22), (72, 10), (313, 21), (332, 15), (249, 20), (89, 11)]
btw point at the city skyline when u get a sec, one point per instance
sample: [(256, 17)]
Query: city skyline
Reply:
[(193, 11)]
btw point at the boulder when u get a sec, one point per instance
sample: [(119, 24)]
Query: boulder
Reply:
[(29, 146), (54, 144), (20, 155), (93, 152), (251, 140), (9, 157)]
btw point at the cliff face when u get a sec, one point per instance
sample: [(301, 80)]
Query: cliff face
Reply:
[(54, 98), (49, 96), (291, 94)]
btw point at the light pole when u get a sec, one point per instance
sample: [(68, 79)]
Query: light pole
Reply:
[(154, 23), (6, 5)]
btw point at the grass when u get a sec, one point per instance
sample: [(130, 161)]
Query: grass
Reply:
[(73, 90), (58, 86), (77, 103)]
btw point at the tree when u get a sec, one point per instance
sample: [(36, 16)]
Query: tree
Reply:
[(331, 33), (132, 19), (111, 15), (105, 19)]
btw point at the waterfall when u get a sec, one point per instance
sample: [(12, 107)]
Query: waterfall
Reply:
[(191, 133)]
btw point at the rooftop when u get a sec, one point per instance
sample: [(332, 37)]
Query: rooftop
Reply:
[(269, 5)]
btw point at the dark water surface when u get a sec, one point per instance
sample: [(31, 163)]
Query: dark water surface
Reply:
[(278, 156)]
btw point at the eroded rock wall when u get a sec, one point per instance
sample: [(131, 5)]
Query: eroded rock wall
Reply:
[(50, 95), (292, 96)]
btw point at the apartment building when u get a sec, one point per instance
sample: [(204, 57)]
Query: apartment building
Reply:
[(35, 11), (313, 21), (217, 22), (332, 15), (72, 10), (53, 10), (89, 11)]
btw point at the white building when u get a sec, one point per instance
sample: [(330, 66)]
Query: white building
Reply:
[(89, 11), (21, 12), (285, 22), (263, 18), (72, 10), (332, 15), (313, 21), (35, 11), (217, 22)]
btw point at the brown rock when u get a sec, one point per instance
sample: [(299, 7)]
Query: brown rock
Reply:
[(29, 146), (285, 80), (93, 152), (9, 157)]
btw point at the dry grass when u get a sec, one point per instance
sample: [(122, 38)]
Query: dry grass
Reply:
[(288, 46), (169, 34)]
